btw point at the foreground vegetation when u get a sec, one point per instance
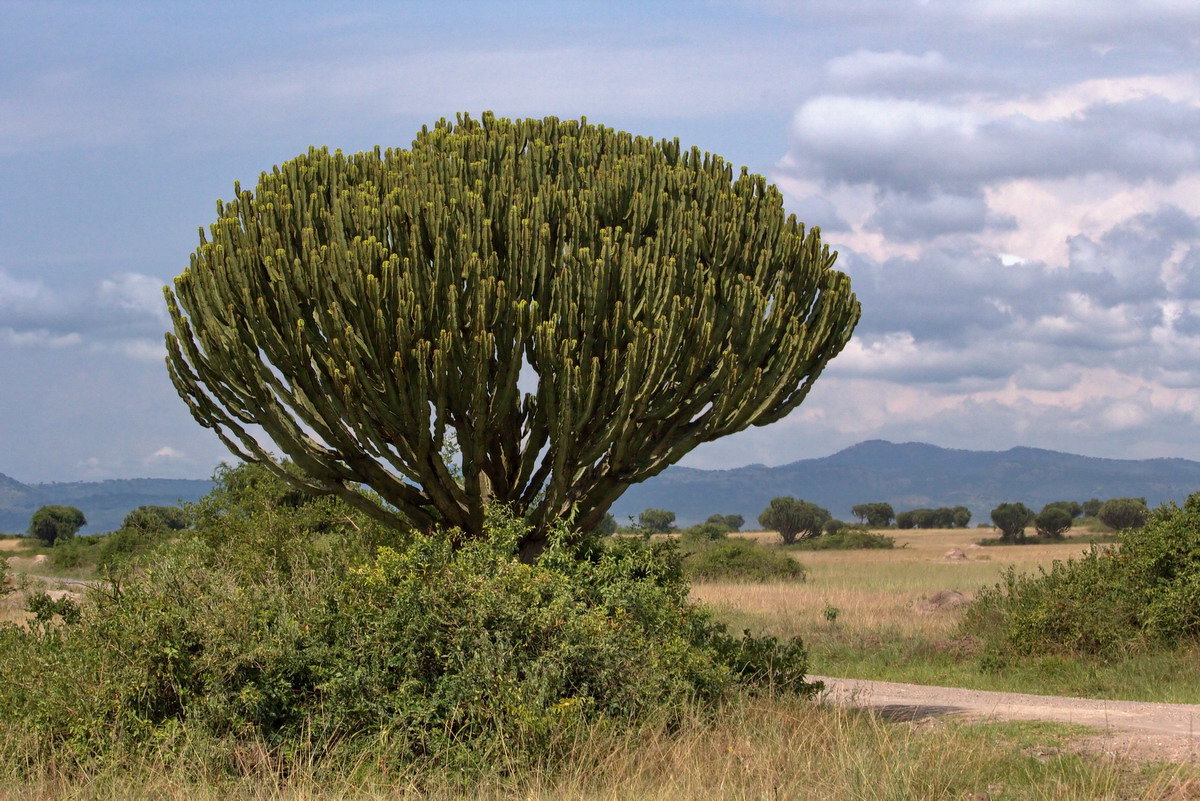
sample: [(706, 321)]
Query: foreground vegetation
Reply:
[(763, 747), (296, 627), (285, 647)]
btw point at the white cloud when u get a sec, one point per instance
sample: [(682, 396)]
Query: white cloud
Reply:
[(894, 70), (38, 338), (124, 314), (139, 294)]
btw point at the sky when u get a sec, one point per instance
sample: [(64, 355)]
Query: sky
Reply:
[(1013, 187)]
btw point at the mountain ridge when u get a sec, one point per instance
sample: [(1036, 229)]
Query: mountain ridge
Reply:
[(911, 475), (907, 475)]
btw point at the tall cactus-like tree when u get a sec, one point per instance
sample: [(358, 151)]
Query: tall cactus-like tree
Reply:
[(574, 308)]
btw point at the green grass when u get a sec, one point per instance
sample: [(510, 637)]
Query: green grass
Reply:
[(1164, 676)]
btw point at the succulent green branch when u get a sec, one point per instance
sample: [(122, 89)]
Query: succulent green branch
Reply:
[(359, 311)]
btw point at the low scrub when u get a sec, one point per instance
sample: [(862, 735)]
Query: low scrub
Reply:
[(737, 559), (298, 628), (846, 539), (1144, 592)]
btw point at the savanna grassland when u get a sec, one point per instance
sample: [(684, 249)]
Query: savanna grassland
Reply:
[(873, 614)]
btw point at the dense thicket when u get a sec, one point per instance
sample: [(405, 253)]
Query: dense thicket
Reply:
[(1145, 591), (301, 625)]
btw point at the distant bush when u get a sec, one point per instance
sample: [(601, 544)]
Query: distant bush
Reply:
[(833, 525), (731, 522), (657, 521), (1120, 513), (1011, 519), (73, 552), (1143, 592), (704, 532), (286, 625), (737, 559), (172, 518), (794, 518), (1053, 521), (845, 540)]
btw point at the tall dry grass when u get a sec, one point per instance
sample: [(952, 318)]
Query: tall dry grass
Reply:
[(877, 591), (778, 748)]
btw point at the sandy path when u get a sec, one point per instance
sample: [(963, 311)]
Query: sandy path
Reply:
[(1169, 732)]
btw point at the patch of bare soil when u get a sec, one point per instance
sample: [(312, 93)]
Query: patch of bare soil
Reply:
[(1126, 729)]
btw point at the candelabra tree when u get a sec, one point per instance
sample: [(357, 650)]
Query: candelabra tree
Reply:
[(571, 307)]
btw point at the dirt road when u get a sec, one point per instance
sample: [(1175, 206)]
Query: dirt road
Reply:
[(1169, 732)]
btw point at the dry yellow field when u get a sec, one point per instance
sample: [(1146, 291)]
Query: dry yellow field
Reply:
[(879, 590)]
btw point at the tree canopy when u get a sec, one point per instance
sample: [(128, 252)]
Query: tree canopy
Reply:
[(731, 522), (792, 517), (876, 515), (365, 311), (1053, 521), (1122, 513), (942, 517), (1011, 519), (53, 523), (657, 521)]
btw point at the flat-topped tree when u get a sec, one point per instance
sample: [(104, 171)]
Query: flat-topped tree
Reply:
[(364, 309)]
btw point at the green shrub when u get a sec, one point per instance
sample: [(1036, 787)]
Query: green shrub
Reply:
[(704, 532), (412, 650), (1143, 592), (73, 552), (737, 559), (846, 539)]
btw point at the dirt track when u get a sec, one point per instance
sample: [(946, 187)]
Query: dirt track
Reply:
[(1166, 732)]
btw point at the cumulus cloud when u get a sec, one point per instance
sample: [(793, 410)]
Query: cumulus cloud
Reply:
[(894, 72), (919, 146), (124, 313), (1029, 258), (907, 217), (166, 452)]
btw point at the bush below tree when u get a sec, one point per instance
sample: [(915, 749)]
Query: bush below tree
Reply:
[(298, 626)]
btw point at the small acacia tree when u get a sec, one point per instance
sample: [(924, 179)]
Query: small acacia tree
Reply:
[(1011, 519), (364, 311), (792, 517), (53, 523)]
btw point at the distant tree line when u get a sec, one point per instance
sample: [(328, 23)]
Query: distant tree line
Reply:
[(942, 517), (797, 519)]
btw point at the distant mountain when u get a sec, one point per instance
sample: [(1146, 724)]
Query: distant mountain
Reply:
[(104, 503), (908, 476)]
